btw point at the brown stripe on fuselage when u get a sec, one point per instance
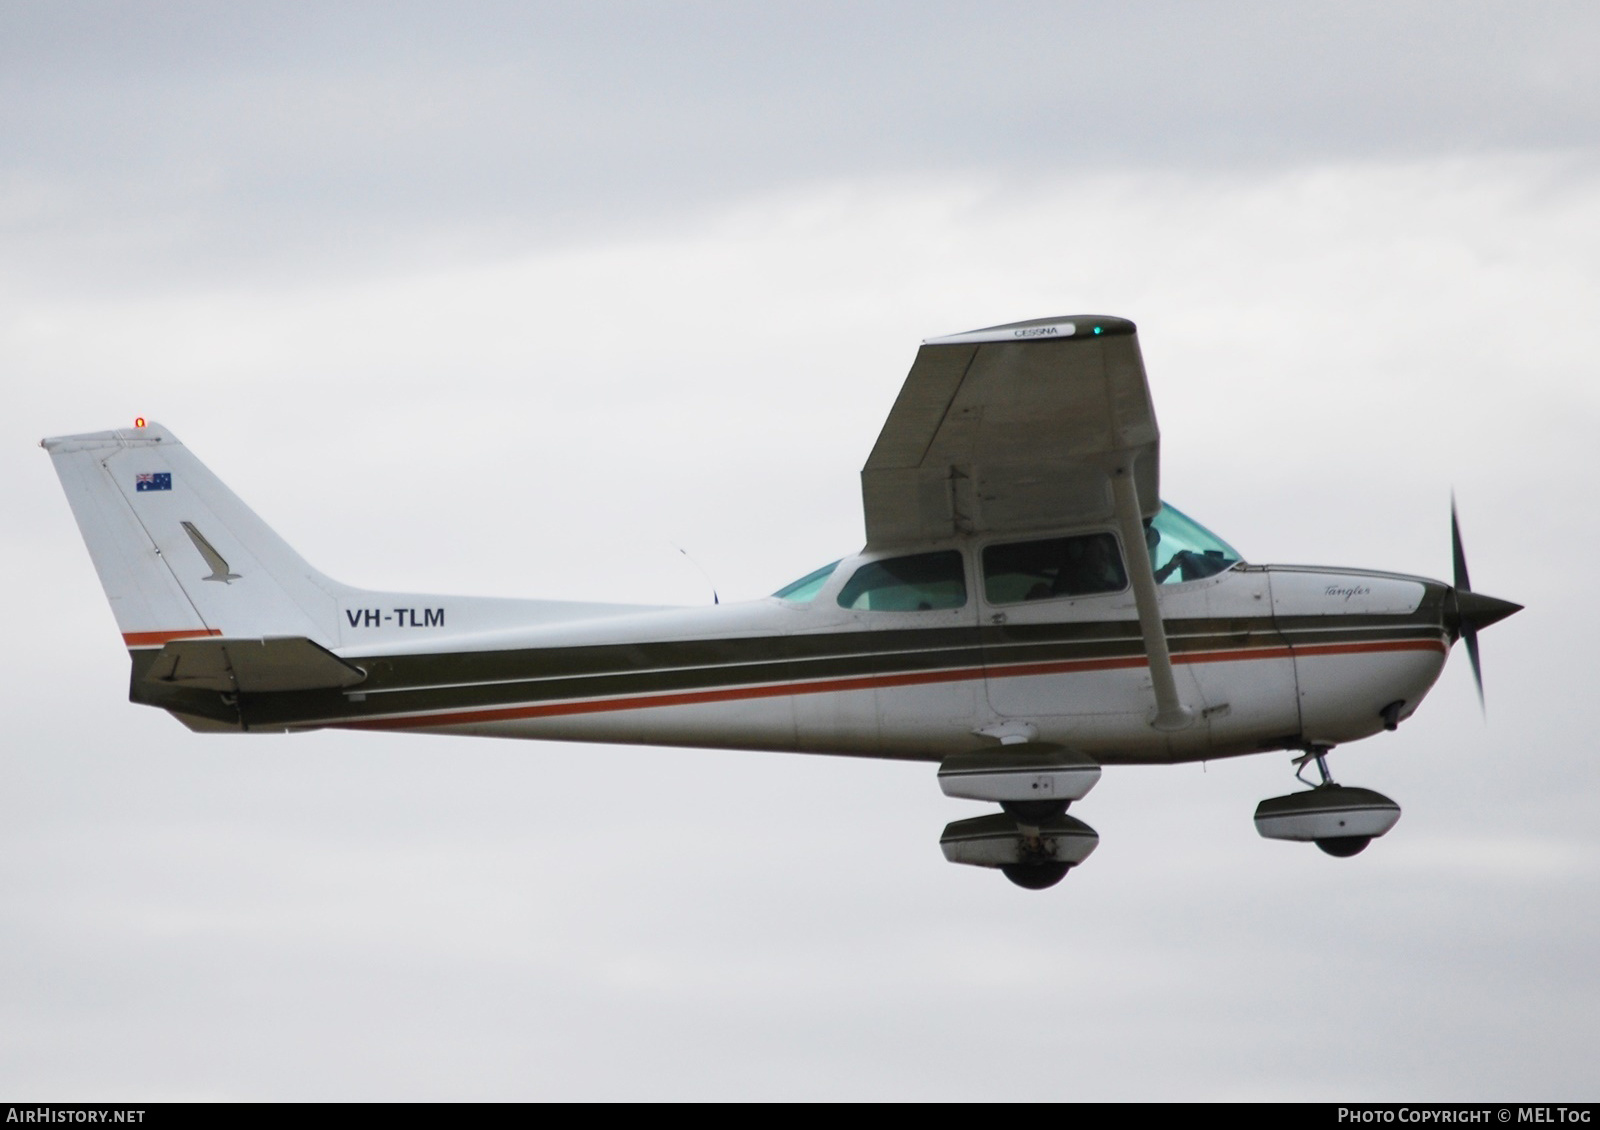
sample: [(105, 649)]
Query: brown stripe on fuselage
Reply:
[(871, 682), (1230, 655), (641, 702)]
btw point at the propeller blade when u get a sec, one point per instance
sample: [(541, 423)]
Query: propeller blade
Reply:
[(1469, 636), (1463, 584), (1469, 630), (1473, 610)]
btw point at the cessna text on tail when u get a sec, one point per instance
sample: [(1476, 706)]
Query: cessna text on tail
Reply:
[(1025, 611)]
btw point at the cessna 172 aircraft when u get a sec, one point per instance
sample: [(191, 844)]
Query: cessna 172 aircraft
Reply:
[(1025, 611)]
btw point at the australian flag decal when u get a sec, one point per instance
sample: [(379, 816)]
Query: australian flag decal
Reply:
[(161, 480)]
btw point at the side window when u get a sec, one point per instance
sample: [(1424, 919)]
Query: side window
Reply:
[(807, 587), (1042, 570), (918, 583)]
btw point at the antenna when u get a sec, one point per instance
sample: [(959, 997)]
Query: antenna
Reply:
[(715, 599)]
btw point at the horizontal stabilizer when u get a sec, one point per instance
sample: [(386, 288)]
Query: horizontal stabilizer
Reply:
[(275, 663)]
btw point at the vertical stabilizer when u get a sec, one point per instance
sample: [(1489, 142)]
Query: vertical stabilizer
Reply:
[(177, 552)]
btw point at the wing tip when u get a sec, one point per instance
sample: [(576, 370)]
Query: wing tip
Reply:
[(1060, 328)]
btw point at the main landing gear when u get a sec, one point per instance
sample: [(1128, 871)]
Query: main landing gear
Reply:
[(1034, 843), (1031, 841), (1339, 819)]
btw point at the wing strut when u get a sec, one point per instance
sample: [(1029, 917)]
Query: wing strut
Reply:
[(1170, 713)]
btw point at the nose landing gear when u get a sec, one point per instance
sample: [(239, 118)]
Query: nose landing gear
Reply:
[(1339, 819)]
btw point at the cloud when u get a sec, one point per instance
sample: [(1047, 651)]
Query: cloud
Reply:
[(200, 142), (1338, 327)]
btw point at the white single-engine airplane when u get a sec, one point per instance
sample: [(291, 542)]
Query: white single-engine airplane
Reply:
[(1025, 611)]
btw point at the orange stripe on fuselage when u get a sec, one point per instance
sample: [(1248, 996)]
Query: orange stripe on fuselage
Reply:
[(685, 698), (1383, 645), (867, 682), (156, 639), (1232, 655)]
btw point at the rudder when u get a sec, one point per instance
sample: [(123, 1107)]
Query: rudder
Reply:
[(178, 554)]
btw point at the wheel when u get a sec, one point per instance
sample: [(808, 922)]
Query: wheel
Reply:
[(1344, 846), (1036, 876)]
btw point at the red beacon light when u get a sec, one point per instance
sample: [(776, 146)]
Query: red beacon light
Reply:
[(138, 421)]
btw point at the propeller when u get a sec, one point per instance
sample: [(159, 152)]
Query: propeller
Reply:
[(1473, 610)]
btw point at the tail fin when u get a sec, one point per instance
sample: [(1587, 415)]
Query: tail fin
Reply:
[(177, 552)]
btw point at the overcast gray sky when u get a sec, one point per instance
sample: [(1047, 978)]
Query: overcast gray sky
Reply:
[(515, 298)]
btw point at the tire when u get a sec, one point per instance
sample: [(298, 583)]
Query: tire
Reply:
[(1036, 876), (1344, 847)]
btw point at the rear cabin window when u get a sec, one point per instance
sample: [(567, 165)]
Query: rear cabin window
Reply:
[(919, 583), (807, 587), (1054, 567)]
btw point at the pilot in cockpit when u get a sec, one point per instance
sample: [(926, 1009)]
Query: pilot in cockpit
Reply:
[(1089, 565)]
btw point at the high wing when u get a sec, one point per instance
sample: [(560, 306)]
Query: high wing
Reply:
[(1013, 428)]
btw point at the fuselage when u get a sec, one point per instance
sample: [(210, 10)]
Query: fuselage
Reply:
[(1266, 657)]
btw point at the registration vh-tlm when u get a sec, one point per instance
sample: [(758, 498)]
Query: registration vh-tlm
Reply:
[(1025, 611)]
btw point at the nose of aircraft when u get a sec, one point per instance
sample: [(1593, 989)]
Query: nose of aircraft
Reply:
[(1475, 611), (1465, 612)]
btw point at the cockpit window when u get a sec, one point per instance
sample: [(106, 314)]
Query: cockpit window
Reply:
[(1043, 570), (807, 587), (1181, 549), (919, 583)]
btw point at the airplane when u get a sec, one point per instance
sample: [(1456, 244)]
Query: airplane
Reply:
[(1026, 610)]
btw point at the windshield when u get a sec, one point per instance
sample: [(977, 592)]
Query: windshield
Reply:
[(1181, 549), (808, 586)]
